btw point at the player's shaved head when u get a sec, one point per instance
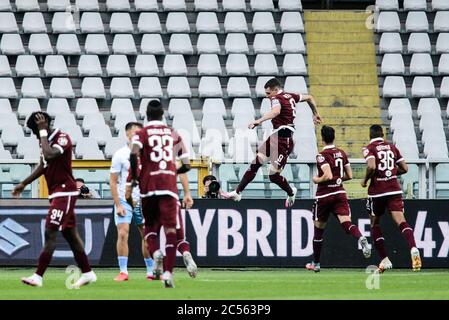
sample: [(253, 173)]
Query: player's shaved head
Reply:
[(31, 122), (328, 134), (131, 125), (272, 84), (376, 131), (154, 110)]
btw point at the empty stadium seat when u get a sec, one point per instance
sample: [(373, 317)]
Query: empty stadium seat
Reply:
[(211, 145), (176, 106), (63, 22), (87, 5), (188, 125), (209, 87), (206, 5), (8, 119), (61, 88), (441, 22), (146, 65), (57, 106), (92, 119), (67, 44), (113, 145), (416, 21), (264, 22), (9, 23), (392, 64), (415, 5), (444, 89), (5, 69), (390, 42), (429, 105), (91, 23), (419, 42), (28, 148), (175, 65), (86, 106), (87, 148), (207, 22), (295, 84), (149, 23), (387, 5), (96, 44), (235, 22), (291, 22), (214, 105), (421, 64), (93, 87), (237, 64), (264, 43), (27, 5), (440, 5), (209, 64), (26, 66), (240, 149), (64, 120), (118, 66), (11, 135), (236, 43), (174, 5), (5, 106), (443, 65), (33, 22), (399, 107), (388, 22), (238, 87), (293, 5), (11, 43), (101, 133), (121, 88), (394, 87), (294, 64), (178, 87), (180, 43), (152, 44), (55, 66), (260, 85), (149, 87), (28, 106), (423, 87), (265, 106), (215, 121), (442, 43), (7, 88), (74, 132), (243, 106), (124, 44), (293, 43), (33, 88), (207, 43), (121, 23), (234, 5), (5, 5), (266, 64), (58, 5), (89, 65), (177, 22), (39, 44), (118, 5)]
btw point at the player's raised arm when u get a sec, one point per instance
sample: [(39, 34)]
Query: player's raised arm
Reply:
[(313, 106), (273, 113), (42, 124), (37, 172)]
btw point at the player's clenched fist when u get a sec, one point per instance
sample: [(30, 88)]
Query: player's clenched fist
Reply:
[(187, 201), (18, 189)]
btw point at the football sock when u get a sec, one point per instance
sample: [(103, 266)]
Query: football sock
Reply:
[(152, 242), (183, 246), (82, 261), (249, 175), (407, 233), (281, 182), (43, 262), (123, 264), (351, 229), (170, 252), (317, 244), (379, 241), (149, 265)]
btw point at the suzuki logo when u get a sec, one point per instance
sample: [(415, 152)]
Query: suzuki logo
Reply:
[(10, 242)]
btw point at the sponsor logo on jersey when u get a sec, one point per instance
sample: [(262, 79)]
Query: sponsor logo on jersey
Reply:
[(62, 141), (365, 152), (320, 158)]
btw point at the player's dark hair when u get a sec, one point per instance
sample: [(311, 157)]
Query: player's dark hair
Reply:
[(31, 122), (154, 110), (80, 180), (209, 178), (328, 134), (272, 84), (376, 131), (129, 125)]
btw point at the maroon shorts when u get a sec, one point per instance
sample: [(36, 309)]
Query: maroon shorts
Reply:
[(337, 204), (377, 206), (160, 210), (277, 149), (61, 214)]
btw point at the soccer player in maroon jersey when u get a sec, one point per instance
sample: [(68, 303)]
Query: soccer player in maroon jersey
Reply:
[(156, 146), (279, 144), (333, 169), (384, 164), (56, 166)]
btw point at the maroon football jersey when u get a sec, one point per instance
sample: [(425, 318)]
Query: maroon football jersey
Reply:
[(384, 182), (58, 171), (287, 101), (336, 159), (160, 145)]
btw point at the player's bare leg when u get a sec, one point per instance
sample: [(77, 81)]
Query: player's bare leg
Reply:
[(122, 251), (379, 244), (76, 244), (44, 259), (407, 233), (145, 253), (317, 245), (352, 229), (276, 178), (170, 257)]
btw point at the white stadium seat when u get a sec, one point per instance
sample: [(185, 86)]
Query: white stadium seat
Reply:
[(419, 42), (146, 5), (9, 23), (429, 105), (265, 64), (86, 106), (174, 65), (264, 43), (238, 87), (101, 133), (234, 5), (291, 22), (174, 5), (240, 149), (387, 5), (7, 88), (440, 5), (67, 44), (118, 5), (178, 87), (243, 106), (215, 121), (392, 64), (113, 145), (262, 5), (150, 87), (294, 64), (260, 84), (11, 135), (444, 89), (96, 44), (388, 22), (87, 148), (149, 23), (124, 44), (237, 64), (214, 105), (63, 22), (293, 43), (33, 88), (442, 43), (295, 84), (11, 44), (236, 43), (55, 66), (5, 106), (118, 66), (423, 87), (235, 22), (5, 5), (28, 148), (394, 87), (89, 66), (26, 66), (180, 43), (28, 106), (33, 22), (390, 42), (209, 64), (207, 43), (421, 64), (263, 22), (152, 44), (39, 44), (121, 88), (293, 5), (177, 22), (206, 5), (415, 5), (211, 145), (93, 87), (177, 106), (209, 87), (87, 5), (441, 22), (146, 65), (27, 5), (416, 22), (91, 23), (399, 107), (61, 88), (207, 22), (443, 65), (58, 5), (121, 23), (92, 119), (8, 119), (64, 120), (57, 106)]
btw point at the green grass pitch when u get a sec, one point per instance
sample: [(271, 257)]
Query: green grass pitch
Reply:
[(224, 284)]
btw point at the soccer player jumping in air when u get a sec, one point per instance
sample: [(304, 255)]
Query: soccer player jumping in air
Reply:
[(333, 169), (384, 164), (56, 166), (279, 144)]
